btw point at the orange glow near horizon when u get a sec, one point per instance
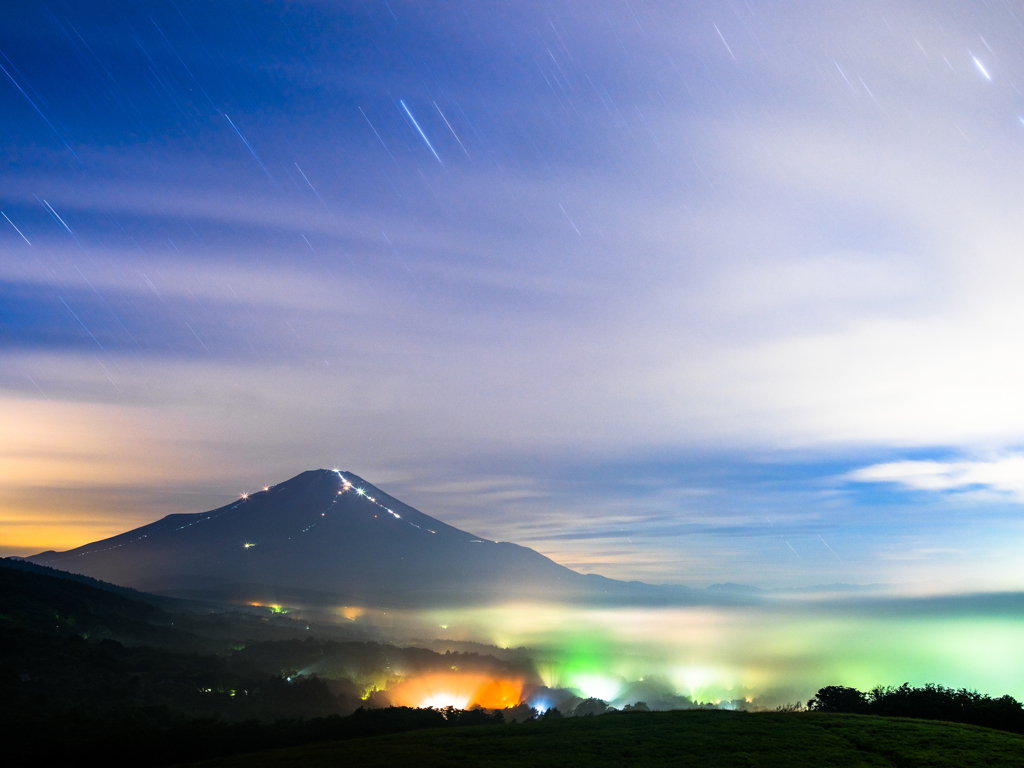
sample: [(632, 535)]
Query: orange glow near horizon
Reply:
[(463, 691), (73, 473)]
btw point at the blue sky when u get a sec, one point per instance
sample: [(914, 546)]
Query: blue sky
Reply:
[(690, 293)]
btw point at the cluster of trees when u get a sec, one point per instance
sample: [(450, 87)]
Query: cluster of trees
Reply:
[(600, 707), (585, 708), (932, 702)]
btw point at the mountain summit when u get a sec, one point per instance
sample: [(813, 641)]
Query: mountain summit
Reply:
[(325, 537)]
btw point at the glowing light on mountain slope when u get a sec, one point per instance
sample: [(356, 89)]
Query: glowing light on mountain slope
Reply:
[(457, 690), (362, 492), (272, 608), (445, 699)]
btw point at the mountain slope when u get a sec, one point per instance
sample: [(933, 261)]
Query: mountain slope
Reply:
[(326, 537)]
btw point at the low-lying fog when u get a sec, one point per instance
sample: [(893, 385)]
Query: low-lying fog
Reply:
[(760, 655)]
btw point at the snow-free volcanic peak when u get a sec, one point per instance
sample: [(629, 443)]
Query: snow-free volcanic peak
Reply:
[(322, 537)]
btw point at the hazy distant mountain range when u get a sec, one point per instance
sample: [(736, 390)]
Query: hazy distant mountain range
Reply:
[(327, 538)]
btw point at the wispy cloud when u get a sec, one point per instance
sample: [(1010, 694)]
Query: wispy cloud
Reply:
[(1005, 474)]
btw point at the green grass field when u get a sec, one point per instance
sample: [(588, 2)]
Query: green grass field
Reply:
[(696, 737)]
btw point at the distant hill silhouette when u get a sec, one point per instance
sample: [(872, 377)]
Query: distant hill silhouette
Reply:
[(328, 538)]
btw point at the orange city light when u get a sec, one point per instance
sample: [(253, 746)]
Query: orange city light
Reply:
[(462, 691)]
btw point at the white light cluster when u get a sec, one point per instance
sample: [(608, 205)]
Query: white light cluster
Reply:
[(346, 485)]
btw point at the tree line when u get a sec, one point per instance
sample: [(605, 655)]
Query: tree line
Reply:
[(930, 702)]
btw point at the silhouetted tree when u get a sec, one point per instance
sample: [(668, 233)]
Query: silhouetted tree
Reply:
[(837, 698), (638, 707), (590, 707)]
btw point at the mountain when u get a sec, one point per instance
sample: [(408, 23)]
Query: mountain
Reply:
[(327, 538)]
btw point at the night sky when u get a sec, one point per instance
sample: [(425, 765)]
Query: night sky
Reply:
[(682, 292)]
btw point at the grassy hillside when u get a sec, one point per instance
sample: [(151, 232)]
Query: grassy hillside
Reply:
[(87, 672), (694, 737)]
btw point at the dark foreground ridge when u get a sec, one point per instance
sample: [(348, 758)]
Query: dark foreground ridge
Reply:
[(327, 538), (681, 738)]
